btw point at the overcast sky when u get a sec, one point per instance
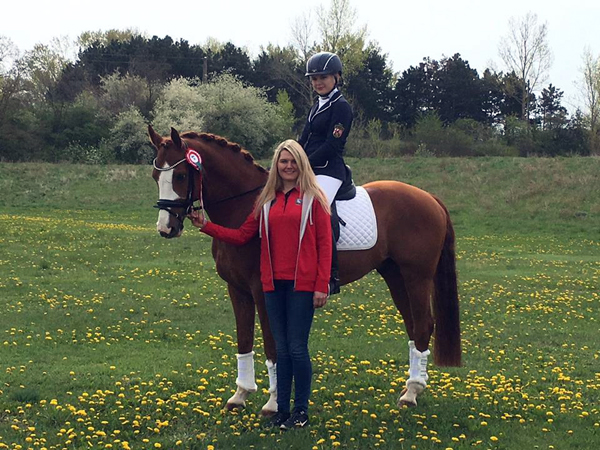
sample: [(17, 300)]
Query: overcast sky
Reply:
[(406, 30)]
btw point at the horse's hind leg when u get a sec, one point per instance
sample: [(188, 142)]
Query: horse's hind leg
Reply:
[(243, 308), (412, 298)]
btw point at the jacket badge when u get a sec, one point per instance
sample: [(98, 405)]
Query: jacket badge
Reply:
[(338, 130), (298, 201)]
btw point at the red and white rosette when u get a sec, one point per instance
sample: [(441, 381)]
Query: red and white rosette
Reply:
[(194, 158)]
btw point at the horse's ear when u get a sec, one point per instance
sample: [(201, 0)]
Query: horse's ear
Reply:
[(175, 138), (154, 137)]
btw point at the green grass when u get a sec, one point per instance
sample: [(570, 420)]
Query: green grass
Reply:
[(110, 334)]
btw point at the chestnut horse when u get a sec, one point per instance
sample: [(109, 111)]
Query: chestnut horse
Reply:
[(414, 252)]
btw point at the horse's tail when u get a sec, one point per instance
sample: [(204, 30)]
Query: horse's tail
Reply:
[(446, 351)]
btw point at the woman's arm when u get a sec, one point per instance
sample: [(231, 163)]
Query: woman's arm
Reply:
[(239, 236)]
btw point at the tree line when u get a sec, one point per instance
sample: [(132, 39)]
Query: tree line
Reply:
[(93, 108)]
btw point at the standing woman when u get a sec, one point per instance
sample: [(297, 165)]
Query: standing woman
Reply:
[(324, 136), (291, 216)]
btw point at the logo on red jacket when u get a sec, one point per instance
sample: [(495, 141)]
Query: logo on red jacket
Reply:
[(338, 130)]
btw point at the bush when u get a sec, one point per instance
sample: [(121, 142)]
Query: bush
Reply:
[(519, 134), (180, 106), (101, 154), (120, 93), (451, 141), (128, 139), (225, 106)]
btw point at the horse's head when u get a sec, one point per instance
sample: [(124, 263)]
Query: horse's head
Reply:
[(178, 182)]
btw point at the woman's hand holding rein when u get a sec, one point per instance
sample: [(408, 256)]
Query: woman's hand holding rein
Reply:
[(197, 219)]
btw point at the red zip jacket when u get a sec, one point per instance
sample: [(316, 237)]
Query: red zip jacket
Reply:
[(308, 243)]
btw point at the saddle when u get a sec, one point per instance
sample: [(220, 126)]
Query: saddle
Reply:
[(347, 190), (359, 229)]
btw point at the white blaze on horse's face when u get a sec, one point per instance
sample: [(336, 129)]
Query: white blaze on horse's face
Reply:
[(166, 192)]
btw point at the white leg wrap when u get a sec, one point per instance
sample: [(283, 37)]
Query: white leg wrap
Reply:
[(417, 372), (245, 378), (272, 370), (270, 407)]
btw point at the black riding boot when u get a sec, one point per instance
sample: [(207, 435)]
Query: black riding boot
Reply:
[(334, 280)]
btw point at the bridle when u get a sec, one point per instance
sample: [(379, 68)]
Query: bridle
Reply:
[(188, 204)]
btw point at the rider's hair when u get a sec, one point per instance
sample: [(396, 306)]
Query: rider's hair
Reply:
[(307, 182)]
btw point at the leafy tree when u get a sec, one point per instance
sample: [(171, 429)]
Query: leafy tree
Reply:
[(459, 91), (119, 93), (499, 101), (371, 87), (449, 87), (152, 58), (551, 114), (89, 38), (12, 78), (44, 70), (414, 92), (230, 59)]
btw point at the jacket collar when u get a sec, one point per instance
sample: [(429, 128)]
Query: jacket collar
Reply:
[(315, 109)]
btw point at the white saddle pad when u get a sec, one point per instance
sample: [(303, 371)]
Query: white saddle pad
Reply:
[(360, 232)]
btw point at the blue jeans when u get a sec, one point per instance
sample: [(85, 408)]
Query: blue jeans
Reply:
[(290, 316)]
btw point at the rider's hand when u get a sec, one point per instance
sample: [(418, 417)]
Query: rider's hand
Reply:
[(319, 299), (198, 220)]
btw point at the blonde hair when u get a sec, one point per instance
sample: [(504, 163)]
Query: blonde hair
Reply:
[(307, 182)]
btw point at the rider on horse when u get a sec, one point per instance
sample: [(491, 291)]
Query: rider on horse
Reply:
[(324, 137)]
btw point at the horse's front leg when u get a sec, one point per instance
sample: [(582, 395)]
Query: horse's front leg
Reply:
[(243, 309), (270, 407)]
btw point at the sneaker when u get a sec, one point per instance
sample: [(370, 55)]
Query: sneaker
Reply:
[(298, 419), (277, 419)]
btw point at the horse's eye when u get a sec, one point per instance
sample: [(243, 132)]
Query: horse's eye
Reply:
[(180, 177)]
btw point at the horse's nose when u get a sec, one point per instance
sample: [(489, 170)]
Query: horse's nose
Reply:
[(163, 234)]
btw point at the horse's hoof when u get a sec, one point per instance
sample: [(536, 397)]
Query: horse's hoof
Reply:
[(232, 406), (408, 396), (270, 407), (408, 403), (267, 412)]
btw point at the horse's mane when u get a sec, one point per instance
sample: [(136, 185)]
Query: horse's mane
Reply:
[(221, 141)]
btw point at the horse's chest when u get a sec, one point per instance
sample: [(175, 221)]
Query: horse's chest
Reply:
[(237, 264)]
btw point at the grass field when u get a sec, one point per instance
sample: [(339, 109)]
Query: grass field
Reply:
[(111, 337)]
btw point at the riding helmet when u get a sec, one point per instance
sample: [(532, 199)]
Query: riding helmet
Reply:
[(323, 63)]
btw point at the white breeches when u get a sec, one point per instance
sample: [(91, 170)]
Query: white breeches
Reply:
[(329, 186)]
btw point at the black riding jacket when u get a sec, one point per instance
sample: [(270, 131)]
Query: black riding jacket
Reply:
[(325, 134)]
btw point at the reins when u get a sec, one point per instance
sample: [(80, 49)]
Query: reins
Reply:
[(236, 196)]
